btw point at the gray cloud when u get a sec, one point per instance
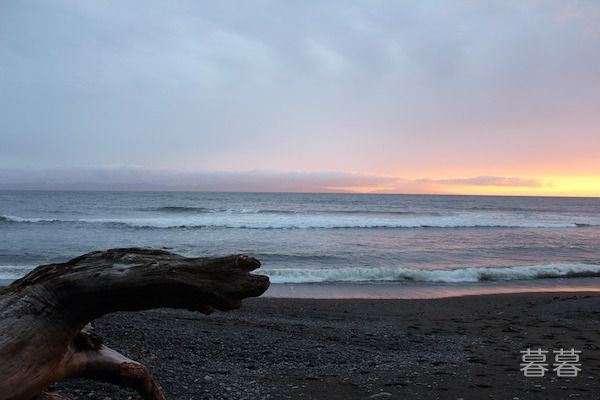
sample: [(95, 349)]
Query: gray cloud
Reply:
[(137, 178), (299, 85)]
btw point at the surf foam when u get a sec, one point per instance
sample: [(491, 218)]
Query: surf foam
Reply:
[(245, 220), (474, 274)]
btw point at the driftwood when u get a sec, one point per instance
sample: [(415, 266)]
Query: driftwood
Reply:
[(45, 334)]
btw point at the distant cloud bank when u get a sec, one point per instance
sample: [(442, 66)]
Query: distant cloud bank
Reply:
[(137, 178)]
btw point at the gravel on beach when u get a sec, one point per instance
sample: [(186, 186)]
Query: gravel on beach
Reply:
[(453, 348)]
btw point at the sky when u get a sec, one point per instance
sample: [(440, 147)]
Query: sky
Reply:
[(459, 97)]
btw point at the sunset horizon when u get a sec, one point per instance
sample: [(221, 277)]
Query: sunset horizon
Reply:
[(142, 179)]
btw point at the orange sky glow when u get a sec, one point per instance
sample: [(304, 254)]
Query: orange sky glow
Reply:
[(569, 186)]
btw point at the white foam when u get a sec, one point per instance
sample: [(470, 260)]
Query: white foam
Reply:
[(475, 274), (326, 221), (381, 274), (11, 272), (12, 218)]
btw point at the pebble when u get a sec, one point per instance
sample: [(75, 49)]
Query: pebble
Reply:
[(380, 395)]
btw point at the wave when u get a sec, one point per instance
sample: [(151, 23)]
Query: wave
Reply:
[(382, 274), (516, 209), (381, 213), (459, 275), (203, 210), (319, 223), (250, 221), (11, 272), (13, 219), (302, 258), (178, 209)]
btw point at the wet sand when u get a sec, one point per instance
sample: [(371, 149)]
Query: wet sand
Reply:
[(462, 347)]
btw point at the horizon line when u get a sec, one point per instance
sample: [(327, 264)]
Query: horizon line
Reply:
[(333, 192)]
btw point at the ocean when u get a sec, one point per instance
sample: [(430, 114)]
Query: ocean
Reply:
[(321, 245)]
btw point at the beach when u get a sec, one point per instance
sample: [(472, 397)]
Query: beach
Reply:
[(275, 348)]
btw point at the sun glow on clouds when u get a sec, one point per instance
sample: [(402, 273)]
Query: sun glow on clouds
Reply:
[(139, 178), (576, 186)]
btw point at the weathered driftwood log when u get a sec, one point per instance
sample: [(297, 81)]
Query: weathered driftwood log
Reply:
[(44, 317)]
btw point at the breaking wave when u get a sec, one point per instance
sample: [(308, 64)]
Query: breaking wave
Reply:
[(203, 210), (178, 209), (366, 275), (13, 219), (475, 274), (10, 272), (287, 221)]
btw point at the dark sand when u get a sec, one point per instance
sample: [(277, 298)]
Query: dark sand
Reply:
[(465, 347)]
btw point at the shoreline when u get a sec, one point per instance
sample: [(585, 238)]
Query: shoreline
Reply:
[(428, 290), (420, 290), (275, 348)]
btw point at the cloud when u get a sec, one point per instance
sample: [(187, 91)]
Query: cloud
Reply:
[(340, 85), (486, 181), (123, 177), (138, 178)]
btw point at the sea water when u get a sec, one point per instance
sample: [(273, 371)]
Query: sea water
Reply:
[(355, 245)]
